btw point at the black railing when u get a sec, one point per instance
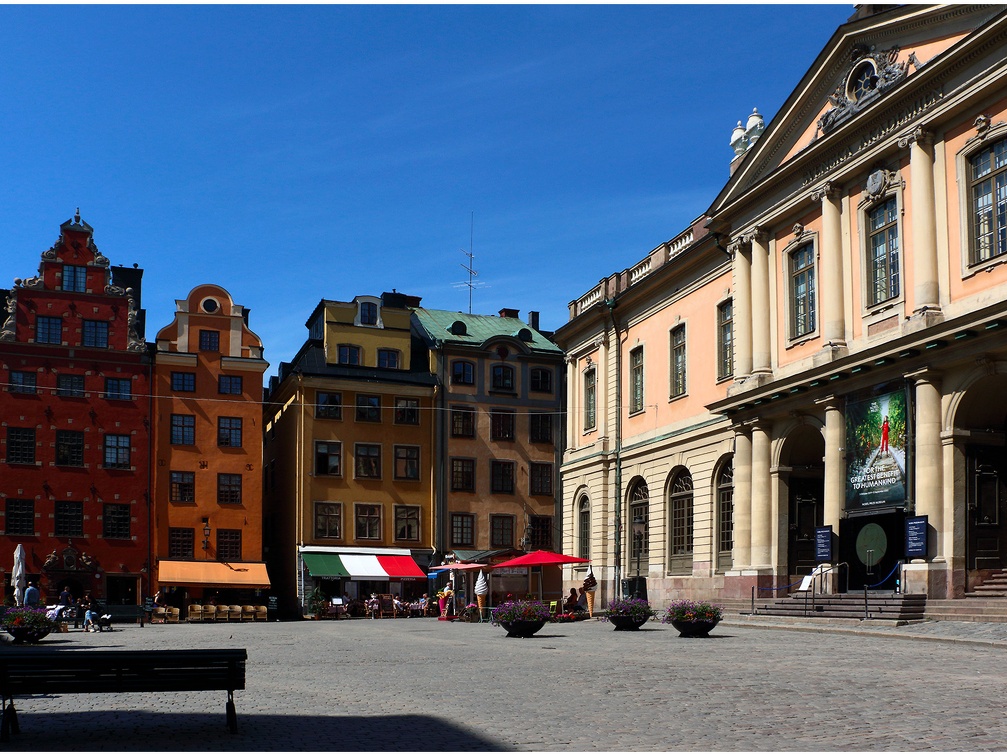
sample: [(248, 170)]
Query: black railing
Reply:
[(899, 582)]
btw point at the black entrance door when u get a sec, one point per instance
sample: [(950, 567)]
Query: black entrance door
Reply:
[(987, 491), (806, 513)]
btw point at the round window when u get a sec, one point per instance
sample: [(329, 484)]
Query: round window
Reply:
[(210, 305), (864, 79)]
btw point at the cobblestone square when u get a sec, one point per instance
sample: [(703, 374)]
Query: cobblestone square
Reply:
[(424, 685)]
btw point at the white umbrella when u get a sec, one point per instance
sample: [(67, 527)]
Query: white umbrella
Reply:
[(18, 576)]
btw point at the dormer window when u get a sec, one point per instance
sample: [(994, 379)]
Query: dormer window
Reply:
[(524, 335), (368, 313), (458, 328)]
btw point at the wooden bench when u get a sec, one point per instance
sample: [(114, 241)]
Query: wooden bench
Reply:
[(120, 613), (44, 671)]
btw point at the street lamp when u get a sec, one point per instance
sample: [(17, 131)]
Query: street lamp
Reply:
[(206, 534)]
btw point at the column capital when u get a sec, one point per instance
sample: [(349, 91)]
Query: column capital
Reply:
[(756, 234), (924, 375), (919, 135), (830, 402), (827, 191)]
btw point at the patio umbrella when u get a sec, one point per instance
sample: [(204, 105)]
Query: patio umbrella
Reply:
[(539, 558), (19, 575)]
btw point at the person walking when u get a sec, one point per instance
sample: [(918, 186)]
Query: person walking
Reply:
[(31, 596)]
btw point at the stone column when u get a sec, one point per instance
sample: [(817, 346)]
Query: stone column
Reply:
[(831, 279), (835, 462), (926, 294), (742, 556), (742, 312), (929, 463), (760, 302), (762, 525)]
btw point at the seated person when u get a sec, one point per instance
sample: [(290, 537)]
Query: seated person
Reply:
[(571, 601), (401, 607), (373, 605)]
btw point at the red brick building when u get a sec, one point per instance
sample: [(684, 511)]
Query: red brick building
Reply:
[(75, 424)]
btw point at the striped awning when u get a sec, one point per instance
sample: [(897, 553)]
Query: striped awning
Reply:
[(356, 566)]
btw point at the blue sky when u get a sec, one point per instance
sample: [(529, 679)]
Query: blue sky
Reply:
[(292, 154)]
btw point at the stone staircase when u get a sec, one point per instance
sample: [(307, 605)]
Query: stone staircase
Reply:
[(881, 605), (995, 586)]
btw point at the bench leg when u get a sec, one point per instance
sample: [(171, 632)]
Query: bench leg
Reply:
[(232, 716), (8, 724)]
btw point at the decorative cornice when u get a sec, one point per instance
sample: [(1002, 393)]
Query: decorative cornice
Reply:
[(828, 190)]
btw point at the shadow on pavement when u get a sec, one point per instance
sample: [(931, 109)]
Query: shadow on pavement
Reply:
[(148, 730)]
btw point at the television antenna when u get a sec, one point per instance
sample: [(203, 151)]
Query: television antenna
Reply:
[(471, 284)]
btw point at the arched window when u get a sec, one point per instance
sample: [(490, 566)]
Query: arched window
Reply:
[(502, 378), (639, 516), (681, 524), (584, 528), (725, 516)]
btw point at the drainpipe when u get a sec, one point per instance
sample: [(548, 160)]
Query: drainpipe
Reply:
[(299, 491), (610, 304)]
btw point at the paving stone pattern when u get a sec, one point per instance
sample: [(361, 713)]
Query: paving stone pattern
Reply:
[(424, 685)]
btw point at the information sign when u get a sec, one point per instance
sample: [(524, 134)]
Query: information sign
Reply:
[(916, 537), (823, 544)]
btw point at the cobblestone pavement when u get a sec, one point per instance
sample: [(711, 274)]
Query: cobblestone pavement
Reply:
[(424, 685)]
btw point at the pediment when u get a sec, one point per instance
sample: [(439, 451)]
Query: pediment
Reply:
[(863, 67)]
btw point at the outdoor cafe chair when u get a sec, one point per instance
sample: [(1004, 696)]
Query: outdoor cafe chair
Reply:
[(209, 612), (195, 613)]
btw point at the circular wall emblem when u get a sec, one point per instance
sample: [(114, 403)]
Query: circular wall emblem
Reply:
[(210, 305), (875, 183), (872, 538)]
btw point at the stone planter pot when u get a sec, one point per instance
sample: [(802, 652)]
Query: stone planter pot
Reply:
[(522, 628), (26, 634), (694, 628), (625, 622)]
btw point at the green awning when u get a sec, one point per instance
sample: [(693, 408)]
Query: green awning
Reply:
[(325, 565)]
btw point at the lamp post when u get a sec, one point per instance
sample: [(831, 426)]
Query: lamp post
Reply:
[(206, 534)]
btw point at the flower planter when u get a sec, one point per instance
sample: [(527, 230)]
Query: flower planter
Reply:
[(626, 622), (694, 628), (522, 628), (26, 634)]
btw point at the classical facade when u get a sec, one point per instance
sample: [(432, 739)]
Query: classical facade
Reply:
[(349, 455), (862, 422), (75, 413), (208, 453)]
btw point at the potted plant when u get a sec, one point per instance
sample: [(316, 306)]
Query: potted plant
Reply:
[(317, 602), (629, 613), (27, 624), (692, 619), (521, 619)]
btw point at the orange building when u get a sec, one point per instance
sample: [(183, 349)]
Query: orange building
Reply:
[(208, 453)]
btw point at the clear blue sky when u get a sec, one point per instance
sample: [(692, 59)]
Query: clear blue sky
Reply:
[(292, 154)]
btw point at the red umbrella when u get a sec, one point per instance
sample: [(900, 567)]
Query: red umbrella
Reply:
[(538, 558)]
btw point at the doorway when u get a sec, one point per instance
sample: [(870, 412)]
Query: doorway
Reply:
[(986, 493), (807, 512), (121, 591)]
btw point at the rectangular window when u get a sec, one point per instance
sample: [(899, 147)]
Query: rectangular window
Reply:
[(541, 380), (228, 488), (367, 459), (75, 278), (636, 380), (883, 249), (989, 202), (70, 385), (540, 428), (368, 408), (501, 531), (70, 448), (388, 358), (501, 477), (463, 530), (20, 446), (22, 382), (367, 522), (502, 425), (69, 520), (407, 463), (117, 451), (368, 313), (115, 521), (541, 533), (328, 519), (462, 373), (349, 354), (229, 431), (590, 399), (229, 384), (463, 422), (183, 381), (407, 523), (407, 411), (20, 517), (209, 341), (118, 388), (541, 479), (725, 340), (802, 291), (183, 429), (463, 475), (48, 330), (229, 545), (181, 543), (329, 405), (328, 458), (678, 361), (95, 334), (502, 378), (183, 486)]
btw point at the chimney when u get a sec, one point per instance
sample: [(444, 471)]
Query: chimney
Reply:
[(506, 312), (533, 319)]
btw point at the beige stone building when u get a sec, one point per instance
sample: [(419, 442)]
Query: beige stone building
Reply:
[(853, 265)]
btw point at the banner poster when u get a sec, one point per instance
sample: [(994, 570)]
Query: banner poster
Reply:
[(876, 451)]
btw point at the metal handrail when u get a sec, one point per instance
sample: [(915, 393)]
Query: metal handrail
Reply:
[(821, 580), (769, 588), (898, 566)]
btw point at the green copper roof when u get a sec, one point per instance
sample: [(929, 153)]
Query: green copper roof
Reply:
[(439, 325)]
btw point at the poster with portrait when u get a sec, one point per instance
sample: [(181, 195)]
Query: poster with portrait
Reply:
[(876, 451)]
